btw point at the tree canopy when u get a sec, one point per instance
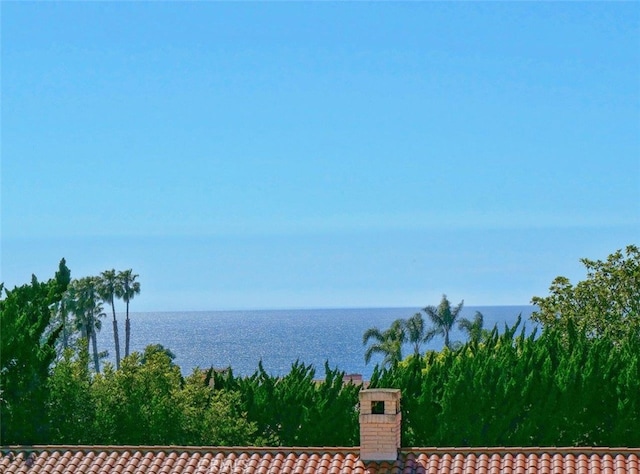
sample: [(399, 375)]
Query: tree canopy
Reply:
[(606, 302), (444, 317), (28, 349), (388, 342)]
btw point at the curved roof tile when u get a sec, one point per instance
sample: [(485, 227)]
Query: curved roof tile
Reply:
[(239, 460)]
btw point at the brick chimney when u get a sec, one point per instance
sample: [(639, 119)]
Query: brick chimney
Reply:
[(380, 424)]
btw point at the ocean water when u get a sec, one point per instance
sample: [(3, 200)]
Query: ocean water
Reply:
[(241, 339)]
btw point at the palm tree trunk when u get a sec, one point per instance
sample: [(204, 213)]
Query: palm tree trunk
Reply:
[(96, 360), (127, 331), (116, 337), (94, 341), (117, 343), (65, 335)]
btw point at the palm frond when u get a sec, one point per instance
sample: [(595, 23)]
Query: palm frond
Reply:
[(372, 333)]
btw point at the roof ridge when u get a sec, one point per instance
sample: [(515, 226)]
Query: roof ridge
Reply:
[(600, 450), (564, 450), (158, 448)]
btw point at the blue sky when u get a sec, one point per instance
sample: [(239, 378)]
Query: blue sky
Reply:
[(300, 155)]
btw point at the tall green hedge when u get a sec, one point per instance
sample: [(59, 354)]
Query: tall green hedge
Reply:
[(297, 409), (559, 389)]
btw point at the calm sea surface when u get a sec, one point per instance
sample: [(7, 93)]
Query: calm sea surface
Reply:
[(240, 339)]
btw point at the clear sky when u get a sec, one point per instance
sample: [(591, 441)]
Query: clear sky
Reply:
[(301, 155)]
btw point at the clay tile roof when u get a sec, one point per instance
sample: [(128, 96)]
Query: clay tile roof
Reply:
[(216, 460)]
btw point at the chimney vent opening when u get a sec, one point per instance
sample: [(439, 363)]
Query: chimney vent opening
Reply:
[(377, 407)]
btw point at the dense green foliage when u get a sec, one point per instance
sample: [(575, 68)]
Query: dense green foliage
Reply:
[(606, 302), (70, 410), (28, 349), (522, 391), (147, 401), (296, 410), (508, 390)]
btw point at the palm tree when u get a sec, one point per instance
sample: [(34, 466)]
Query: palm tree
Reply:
[(85, 304), (61, 307), (108, 290), (389, 343), (474, 329), (130, 288), (415, 331), (443, 318), (61, 311)]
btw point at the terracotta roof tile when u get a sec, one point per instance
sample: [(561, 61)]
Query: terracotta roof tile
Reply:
[(201, 460)]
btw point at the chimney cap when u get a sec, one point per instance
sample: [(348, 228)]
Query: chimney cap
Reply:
[(380, 390)]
